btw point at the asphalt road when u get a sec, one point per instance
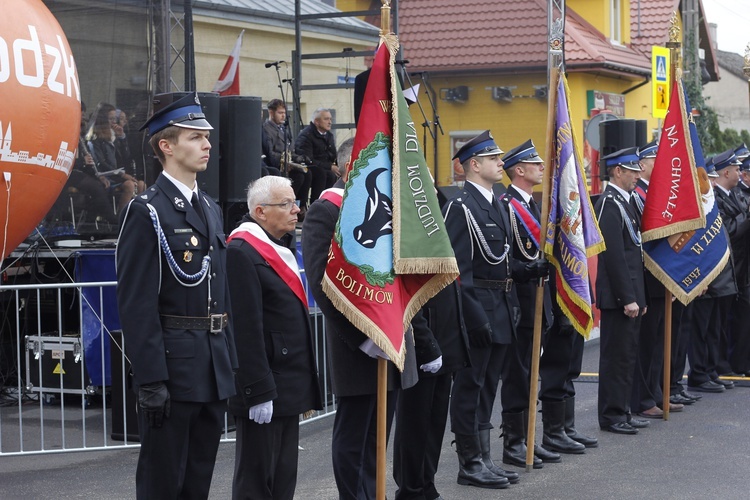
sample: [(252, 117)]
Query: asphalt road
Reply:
[(702, 452)]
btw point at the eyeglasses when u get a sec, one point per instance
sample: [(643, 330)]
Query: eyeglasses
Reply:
[(284, 205)]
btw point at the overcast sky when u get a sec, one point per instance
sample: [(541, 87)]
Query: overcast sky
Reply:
[(733, 20)]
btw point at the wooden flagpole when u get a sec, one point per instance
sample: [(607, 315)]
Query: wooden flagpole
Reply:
[(674, 66), (385, 28), (556, 37)]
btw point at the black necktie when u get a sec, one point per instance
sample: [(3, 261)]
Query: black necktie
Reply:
[(199, 209), (535, 210)]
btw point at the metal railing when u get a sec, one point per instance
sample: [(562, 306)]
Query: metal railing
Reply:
[(63, 371)]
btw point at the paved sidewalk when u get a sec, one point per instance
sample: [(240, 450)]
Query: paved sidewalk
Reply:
[(702, 452)]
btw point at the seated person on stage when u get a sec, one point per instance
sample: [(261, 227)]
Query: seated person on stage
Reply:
[(108, 145), (277, 146)]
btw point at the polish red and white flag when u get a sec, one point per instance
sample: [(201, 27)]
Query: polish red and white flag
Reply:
[(229, 79)]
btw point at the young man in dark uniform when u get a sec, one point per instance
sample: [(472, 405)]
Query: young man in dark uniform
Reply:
[(480, 234), (173, 301), (620, 292)]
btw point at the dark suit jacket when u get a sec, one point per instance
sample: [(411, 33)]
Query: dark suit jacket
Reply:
[(482, 306), (620, 278), (273, 337), (318, 149), (353, 373), (734, 212), (196, 364), (444, 317)]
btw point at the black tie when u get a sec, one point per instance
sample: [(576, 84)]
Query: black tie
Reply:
[(535, 210), (199, 209)]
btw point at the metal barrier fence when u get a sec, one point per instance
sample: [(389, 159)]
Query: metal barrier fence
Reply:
[(67, 391)]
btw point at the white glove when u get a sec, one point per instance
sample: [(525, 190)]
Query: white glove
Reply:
[(261, 413), (368, 347), (433, 366)]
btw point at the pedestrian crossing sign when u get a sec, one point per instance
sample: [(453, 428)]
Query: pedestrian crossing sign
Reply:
[(659, 81)]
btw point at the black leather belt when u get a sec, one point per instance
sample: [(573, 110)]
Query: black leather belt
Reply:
[(214, 323), (504, 285)]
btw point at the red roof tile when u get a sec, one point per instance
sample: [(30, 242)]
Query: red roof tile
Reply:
[(649, 25), (492, 35)]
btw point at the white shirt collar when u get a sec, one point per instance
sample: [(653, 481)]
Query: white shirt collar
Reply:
[(726, 191), (186, 192), (624, 193), (526, 196), (488, 195)]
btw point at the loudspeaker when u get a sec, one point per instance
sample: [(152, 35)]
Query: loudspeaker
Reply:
[(641, 133), (208, 180), (614, 135), (240, 146)]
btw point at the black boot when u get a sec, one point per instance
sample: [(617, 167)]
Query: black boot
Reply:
[(546, 456), (514, 441), (471, 469), (570, 425), (554, 438), (484, 444)]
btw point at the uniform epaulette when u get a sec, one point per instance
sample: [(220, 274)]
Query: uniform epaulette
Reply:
[(146, 196)]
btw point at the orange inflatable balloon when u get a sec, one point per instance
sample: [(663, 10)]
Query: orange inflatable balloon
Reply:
[(40, 117)]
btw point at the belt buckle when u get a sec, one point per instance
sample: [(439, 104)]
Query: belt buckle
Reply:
[(508, 285), (217, 321)]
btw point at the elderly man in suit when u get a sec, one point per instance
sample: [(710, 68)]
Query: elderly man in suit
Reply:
[(277, 380), (173, 300)]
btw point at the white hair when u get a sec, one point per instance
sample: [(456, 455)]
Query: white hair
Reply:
[(316, 114), (259, 191)]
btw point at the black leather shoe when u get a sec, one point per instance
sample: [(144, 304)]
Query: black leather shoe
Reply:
[(680, 399), (620, 428), (690, 395), (728, 384), (709, 386), (639, 423)]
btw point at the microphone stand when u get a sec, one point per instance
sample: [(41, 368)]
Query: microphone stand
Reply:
[(426, 123), (436, 122), (284, 163)]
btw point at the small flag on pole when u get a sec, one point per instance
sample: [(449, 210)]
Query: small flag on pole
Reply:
[(229, 79), (572, 231)]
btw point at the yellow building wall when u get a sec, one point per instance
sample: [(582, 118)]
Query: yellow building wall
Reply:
[(523, 118), (262, 44), (597, 12)]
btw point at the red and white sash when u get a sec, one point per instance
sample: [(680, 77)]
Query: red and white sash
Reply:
[(281, 259)]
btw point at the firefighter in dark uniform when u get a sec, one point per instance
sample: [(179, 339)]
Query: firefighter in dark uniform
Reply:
[(172, 297), (479, 230), (526, 169), (620, 291)]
